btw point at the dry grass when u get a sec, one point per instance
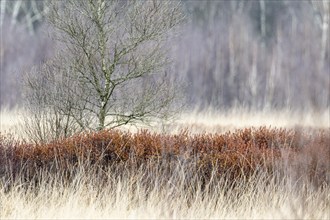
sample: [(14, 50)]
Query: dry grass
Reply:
[(11, 122), (259, 173), (125, 195), (203, 122), (214, 122), (8, 120)]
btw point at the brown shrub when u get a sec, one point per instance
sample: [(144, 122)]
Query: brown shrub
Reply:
[(234, 154)]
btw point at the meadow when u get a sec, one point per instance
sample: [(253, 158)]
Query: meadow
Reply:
[(256, 147), (203, 166)]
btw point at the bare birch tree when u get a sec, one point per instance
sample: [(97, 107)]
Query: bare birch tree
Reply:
[(112, 63), (322, 16), (29, 12)]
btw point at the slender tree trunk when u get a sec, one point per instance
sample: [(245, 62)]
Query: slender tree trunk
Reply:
[(2, 11), (263, 20), (101, 117), (325, 32)]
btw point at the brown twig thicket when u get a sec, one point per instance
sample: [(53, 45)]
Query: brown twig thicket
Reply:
[(234, 154)]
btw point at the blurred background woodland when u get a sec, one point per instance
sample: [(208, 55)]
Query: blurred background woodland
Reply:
[(258, 54)]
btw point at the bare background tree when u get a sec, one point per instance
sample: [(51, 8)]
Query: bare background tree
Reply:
[(45, 91), (253, 54), (29, 12), (259, 55), (23, 44), (110, 67)]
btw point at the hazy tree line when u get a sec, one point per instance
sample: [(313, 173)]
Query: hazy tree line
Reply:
[(257, 54)]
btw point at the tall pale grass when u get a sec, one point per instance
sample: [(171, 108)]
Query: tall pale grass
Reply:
[(148, 193)]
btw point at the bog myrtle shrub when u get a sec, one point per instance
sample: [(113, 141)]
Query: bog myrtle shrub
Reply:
[(237, 154)]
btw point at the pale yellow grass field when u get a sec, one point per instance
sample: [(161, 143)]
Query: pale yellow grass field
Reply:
[(212, 121), (10, 121), (125, 198), (203, 122)]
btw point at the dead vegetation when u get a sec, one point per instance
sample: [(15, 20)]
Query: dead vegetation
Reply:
[(237, 155)]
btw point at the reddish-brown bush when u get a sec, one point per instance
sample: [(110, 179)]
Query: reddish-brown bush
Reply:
[(236, 154)]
